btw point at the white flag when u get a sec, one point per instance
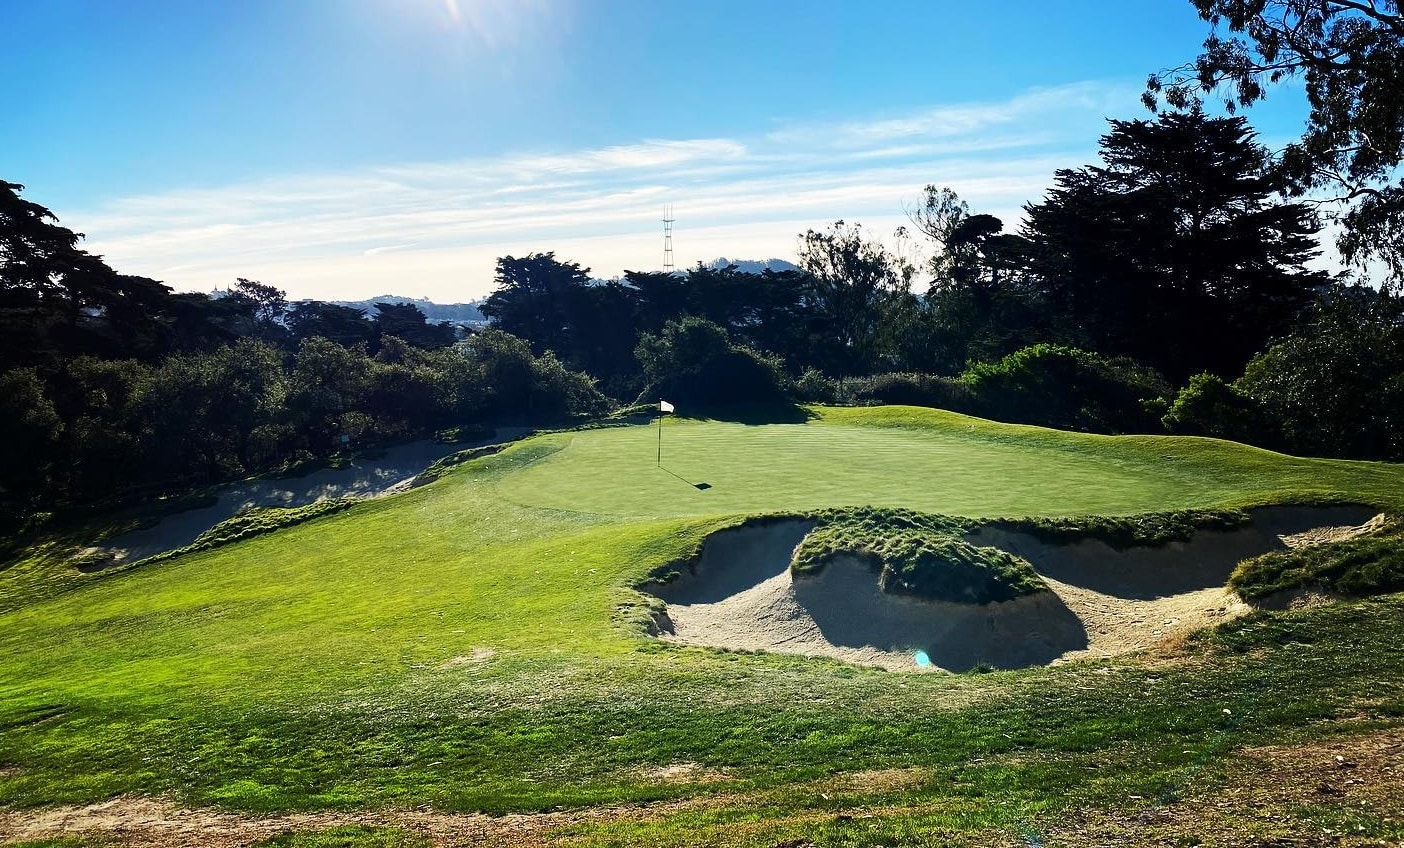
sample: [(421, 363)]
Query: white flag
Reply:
[(665, 406)]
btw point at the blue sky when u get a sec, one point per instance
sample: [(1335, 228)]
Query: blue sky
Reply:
[(347, 148)]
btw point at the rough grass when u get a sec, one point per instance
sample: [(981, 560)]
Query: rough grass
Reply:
[(351, 836), (48, 557), (256, 522), (473, 645), (1369, 565), (916, 554)]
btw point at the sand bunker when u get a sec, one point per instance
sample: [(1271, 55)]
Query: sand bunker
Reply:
[(740, 594), (385, 473)]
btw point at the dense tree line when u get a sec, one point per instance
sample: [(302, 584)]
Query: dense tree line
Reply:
[(1182, 258), (112, 385), (95, 429), (1179, 250)]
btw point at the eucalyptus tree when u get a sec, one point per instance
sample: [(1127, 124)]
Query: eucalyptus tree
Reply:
[(1349, 56)]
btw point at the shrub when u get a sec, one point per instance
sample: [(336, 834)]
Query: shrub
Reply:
[(694, 362), (814, 387), (1064, 387), (1210, 407), (911, 389), (1335, 386), (525, 385)]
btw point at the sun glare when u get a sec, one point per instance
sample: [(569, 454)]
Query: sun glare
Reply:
[(498, 23)]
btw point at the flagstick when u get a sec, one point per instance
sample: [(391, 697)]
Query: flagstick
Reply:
[(660, 436)]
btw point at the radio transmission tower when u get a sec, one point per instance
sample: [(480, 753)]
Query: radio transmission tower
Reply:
[(668, 239)]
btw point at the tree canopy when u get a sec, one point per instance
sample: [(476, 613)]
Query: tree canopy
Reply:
[(1349, 55), (1178, 250)]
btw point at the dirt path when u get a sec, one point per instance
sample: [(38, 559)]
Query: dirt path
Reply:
[(161, 823)]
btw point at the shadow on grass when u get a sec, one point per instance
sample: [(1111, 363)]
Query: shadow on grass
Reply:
[(752, 414), (699, 486)]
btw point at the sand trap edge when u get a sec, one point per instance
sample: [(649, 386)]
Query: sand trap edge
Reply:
[(738, 593)]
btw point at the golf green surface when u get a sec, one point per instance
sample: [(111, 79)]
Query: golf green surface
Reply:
[(920, 459), (474, 644)]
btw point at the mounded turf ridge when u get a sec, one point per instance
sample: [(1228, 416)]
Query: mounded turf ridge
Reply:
[(1121, 532), (246, 525), (1371, 564), (1148, 529), (916, 554)]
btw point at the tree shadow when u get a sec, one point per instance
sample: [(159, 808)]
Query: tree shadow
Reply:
[(753, 414)]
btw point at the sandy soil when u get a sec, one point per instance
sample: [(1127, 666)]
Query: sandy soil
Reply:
[(740, 594), (363, 478)]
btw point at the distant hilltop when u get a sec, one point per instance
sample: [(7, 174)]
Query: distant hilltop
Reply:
[(435, 313), (753, 266)]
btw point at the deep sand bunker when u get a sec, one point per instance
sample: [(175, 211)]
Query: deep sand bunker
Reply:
[(367, 476), (740, 594)]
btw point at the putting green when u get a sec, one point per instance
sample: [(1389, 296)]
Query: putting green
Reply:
[(903, 457)]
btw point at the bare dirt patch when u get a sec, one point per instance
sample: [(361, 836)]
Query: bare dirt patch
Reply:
[(478, 656), (162, 823), (686, 772), (876, 781), (741, 594), (1278, 795), (1340, 791), (1322, 535)]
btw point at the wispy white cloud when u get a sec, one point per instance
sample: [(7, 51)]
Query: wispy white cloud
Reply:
[(436, 228)]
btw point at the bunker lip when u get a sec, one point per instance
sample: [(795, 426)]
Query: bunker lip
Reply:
[(740, 593)]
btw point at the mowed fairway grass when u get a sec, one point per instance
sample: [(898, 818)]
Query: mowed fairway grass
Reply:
[(474, 645)]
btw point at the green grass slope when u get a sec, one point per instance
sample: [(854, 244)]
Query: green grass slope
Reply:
[(472, 644)]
